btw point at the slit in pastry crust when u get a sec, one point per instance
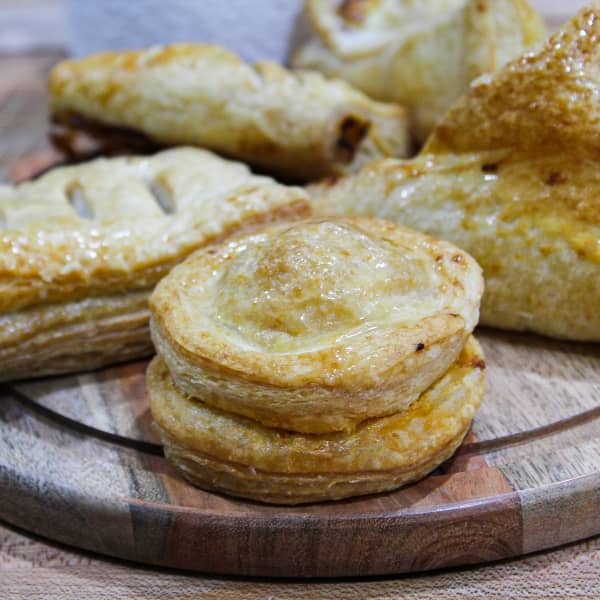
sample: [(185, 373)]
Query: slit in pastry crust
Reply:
[(81, 245)]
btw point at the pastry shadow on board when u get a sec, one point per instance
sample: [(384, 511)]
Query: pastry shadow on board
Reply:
[(109, 401), (76, 427)]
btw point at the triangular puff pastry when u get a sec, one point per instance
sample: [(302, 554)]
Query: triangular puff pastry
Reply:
[(511, 175), (420, 53), (299, 126), (82, 247)]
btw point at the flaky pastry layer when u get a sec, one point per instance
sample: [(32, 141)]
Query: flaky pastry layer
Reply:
[(511, 176), (119, 225), (421, 54), (318, 325), (75, 336), (235, 455), (297, 125)]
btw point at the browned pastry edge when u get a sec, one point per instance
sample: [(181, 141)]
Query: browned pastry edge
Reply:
[(80, 138), (223, 452), (238, 480)]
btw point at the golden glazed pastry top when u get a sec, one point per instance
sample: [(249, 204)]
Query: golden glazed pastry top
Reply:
[(422, 54), (317, 325), (298, 125), (544, 102), (120, 224), (510, 175)]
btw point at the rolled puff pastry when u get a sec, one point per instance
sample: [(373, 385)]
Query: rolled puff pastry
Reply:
[(421, 54), (296, 125), (316, 326), (82, 247), (223, 452), (510, 175)]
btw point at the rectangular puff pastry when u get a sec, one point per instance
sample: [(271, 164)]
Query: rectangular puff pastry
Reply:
[(511, 176), (299, 126), (82, 247)]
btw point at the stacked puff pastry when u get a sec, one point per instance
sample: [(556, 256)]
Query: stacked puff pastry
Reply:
[(316, 360)]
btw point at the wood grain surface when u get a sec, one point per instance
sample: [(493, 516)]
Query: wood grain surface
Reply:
[(31, 568), (527, 478)]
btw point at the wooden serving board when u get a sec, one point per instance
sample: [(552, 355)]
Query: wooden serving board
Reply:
[(80, 464), (79, 461)]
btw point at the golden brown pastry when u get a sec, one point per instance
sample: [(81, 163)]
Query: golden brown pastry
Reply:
[(422, 54), (510, 175), (296, 125), (82, 247), (316, 360), (224, 452), (316, 326)]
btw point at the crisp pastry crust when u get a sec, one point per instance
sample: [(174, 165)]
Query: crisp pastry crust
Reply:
[(81, 248), (318, 325), (296, 125), (232, 454), (421, 54), (511, 176), (74, 336)]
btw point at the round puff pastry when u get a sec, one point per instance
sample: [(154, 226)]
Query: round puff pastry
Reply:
[(318, 325), (227, 453), (422, 54), (299, 126), (510, 175)]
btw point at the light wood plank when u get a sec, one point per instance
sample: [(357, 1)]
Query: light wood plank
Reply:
[(31, 568)]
